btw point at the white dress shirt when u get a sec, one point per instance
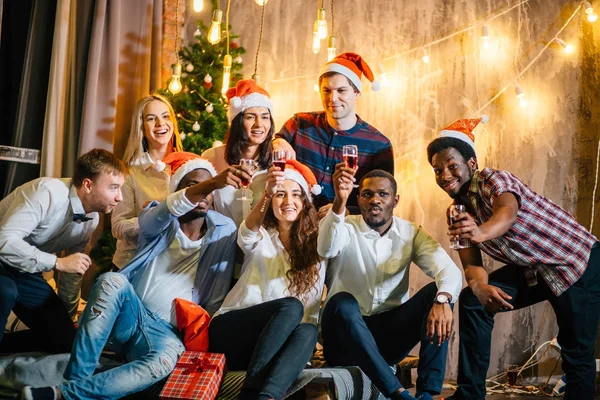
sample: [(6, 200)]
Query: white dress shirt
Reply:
[(143, 184), (375, 268), (227, 200), (36, 221), (266, 263)]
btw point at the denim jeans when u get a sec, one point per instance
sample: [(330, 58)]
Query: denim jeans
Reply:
[(375, 342), (267, 340), (36, 304), (577, 314), (115, 315)]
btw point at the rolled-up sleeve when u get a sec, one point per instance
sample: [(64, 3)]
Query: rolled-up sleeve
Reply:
[(333, 235)]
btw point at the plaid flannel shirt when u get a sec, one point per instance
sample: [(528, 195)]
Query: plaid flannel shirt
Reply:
[(545, 239), (319, 146)]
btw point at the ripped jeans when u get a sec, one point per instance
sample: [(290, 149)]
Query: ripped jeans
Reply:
[(116, 316)]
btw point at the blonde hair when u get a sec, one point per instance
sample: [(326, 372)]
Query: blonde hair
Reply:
[(135, 146)]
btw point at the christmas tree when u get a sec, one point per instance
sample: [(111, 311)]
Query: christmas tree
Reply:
[(201, 105)]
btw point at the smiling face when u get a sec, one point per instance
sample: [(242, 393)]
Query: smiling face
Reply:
[(377, 201), (287, 203), (452, 173), (157, 125), (257, 124), (338, 97), (192, 178)]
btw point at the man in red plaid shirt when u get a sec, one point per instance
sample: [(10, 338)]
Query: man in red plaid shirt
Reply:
[(548, 256)]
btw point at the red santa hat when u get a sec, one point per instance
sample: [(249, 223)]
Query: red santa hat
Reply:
[(352, 66), (301, 174), (463, 129), (247, 94), (182, 163)]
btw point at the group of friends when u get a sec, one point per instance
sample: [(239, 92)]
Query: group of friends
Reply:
[(316, 226)]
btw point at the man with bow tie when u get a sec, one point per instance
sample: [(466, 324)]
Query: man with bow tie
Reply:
[(39, 221)]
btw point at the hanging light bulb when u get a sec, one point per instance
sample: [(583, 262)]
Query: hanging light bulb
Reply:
[(261, 2), (175, 83), (316, 44), (256, 78), (227, 61), (520, 96), (591, 15), (568, 48), (331, 50), (322, 22), (214, 32), (425, 58), (485, 37), (198, 5)]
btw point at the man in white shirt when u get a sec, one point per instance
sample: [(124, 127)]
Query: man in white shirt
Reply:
[(39, 220), (368, 319)]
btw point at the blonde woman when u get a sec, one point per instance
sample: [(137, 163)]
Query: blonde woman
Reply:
[(153, 136)]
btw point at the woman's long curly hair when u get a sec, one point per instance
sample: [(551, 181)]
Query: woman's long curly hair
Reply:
[(304, 259), (236, 141)]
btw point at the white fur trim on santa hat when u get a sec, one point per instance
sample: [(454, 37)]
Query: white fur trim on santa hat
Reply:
[(188, 167), (252, 100), (297, 177), (458, 135), (340, 69)]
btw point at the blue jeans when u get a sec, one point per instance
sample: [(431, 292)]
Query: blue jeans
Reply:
[(30, 297), (375, 342), (115, 315), (577, 314), (269, 341)]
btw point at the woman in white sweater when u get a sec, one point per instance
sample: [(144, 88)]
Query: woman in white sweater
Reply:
[(249, 137), (153, 136), (267, 324)]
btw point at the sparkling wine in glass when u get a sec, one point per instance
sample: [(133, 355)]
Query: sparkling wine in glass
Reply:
[(350, 153), (279, 161), (454, 211), (249, 165)]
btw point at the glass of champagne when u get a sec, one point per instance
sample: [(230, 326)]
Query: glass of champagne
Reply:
[(350, 153), (279, 161), (249, 165), (453, 211), (511, 379)]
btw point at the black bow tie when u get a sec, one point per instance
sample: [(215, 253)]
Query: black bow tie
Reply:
[(81, 218)]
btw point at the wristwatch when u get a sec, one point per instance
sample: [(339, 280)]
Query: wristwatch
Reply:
[(442, 298)]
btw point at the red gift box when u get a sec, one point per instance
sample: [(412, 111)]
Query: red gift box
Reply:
[(197, 375)]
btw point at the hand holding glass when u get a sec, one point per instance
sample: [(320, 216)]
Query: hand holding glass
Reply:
[(454, 211), (350, 153), (279, 161), (249, 165)]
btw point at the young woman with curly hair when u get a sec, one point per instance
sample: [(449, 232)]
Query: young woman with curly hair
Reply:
[(267, 324)]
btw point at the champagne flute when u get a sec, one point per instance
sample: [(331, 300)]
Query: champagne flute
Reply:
[(350, 153), (279, 161), (249, 165), (453, 211)]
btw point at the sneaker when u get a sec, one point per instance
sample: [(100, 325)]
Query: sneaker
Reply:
[(43, 393)]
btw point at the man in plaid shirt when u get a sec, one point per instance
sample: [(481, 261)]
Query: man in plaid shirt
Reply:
[(316, 139), (548, 256)]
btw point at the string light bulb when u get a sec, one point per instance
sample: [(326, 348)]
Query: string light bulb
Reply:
[(256, 78), (520, 96), (331, 50), (175, 85), (322, 23), (214, 32), (485, 37), (568, 48), (261, 2), (316, 44), (591, 15), (227, 62), (198, 5), (425, 57)]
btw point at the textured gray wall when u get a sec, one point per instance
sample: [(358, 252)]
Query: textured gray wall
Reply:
[(534, 143)]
